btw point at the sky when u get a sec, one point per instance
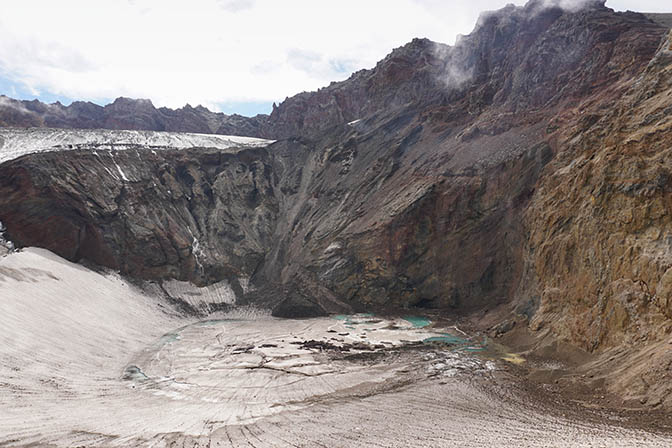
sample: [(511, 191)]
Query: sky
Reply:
[(228, 55)]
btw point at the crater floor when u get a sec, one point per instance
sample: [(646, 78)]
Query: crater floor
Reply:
[(89, 360)]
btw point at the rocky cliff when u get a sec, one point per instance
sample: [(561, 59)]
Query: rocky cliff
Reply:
[(525, 167), (599, 252)]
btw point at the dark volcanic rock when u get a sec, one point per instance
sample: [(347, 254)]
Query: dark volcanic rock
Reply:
[(201, 215), (298, 306), (662, 19)]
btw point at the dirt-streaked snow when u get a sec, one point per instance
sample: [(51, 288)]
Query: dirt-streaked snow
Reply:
[(86, 359), (203, 299), (16, 142)]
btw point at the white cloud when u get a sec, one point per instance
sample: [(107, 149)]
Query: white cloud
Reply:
[(211, 51), (640, 5), (236, 5), (8, 103)]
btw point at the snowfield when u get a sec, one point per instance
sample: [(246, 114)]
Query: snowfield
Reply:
[(17, 142)]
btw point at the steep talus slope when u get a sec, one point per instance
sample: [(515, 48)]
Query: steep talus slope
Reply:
[(525, 166)]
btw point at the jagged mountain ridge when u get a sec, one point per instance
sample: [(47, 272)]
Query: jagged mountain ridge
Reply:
[(455, 185), (126, 114), (403, 77)]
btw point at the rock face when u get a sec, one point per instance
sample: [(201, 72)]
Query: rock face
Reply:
[(598, 226), (527, 166), (599, 248), (148, 214)]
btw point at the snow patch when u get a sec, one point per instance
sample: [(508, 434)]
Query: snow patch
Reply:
[(204, 298), (196, 250), (244, 283), (121, 172), (333, 247), (6, 246)]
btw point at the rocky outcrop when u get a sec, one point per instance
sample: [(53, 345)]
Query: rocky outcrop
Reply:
[(598, 225), (199, 215), (599, 247)]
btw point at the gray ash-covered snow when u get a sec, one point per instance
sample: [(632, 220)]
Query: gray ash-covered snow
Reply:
[(16, 142)]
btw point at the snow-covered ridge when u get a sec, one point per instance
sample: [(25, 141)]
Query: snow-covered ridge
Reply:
[(16, 142)]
